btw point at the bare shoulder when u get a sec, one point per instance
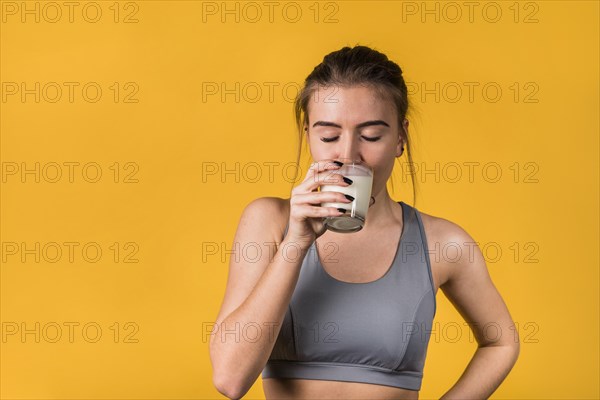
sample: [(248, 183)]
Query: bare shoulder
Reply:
[(448, 244), (442, 228), (271, 213)]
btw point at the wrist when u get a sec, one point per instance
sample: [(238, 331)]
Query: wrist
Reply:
[(290, 246)]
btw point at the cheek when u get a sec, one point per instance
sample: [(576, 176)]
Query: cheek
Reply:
[(318, 149), (383, 170), (315, 149)]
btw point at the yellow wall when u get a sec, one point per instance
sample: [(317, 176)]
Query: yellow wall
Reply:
[(166, 123)]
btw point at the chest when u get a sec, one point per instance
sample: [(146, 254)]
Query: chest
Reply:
[(358, 261), (367, 261)]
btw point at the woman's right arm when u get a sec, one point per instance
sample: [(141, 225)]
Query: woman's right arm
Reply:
[(259, 289)]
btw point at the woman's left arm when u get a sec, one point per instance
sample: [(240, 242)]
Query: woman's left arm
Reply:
[(470, 289)]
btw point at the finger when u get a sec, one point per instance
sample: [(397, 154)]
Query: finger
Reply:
[(325, 178), (321, 230), (317, 198), (322, 165), (302, 212)]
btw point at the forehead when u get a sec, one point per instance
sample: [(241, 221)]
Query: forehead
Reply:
[(353, 104)]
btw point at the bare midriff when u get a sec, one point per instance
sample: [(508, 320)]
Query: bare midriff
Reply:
[(296, 389)]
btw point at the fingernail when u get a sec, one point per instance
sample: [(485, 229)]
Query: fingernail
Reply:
[(342, 210), (349, 197), (338, 163), (347, 180)]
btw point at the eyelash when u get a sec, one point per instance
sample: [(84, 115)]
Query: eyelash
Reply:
[(328, 140)]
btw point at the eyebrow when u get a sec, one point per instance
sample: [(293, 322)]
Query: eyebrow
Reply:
[(361, 125)]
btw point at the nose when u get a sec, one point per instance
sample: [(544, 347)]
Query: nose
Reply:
[(349, 147)]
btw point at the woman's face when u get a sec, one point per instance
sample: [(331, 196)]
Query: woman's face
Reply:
[(354, 123)]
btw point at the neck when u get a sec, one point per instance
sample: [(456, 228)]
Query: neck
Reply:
[(382, 212)]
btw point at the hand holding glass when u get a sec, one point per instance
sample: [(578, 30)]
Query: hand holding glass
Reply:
[(360, 188)]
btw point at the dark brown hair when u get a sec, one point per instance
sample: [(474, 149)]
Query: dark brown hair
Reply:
[(352, 66)]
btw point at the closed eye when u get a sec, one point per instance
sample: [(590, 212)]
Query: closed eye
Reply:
[(327, 140), (368, 139)]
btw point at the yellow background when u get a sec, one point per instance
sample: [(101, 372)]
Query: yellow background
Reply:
[(172, 135)]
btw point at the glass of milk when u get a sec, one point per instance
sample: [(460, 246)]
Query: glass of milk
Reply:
[(360, 188)]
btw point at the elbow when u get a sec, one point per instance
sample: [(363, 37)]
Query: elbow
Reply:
[(227, 387), (512, 353), (230, 384), (516, 346), (517, 351), (230, 377), (226, 381)]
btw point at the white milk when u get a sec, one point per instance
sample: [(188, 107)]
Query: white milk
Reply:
[(360, 189)]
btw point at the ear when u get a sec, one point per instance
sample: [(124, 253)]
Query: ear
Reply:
[(401, 139)]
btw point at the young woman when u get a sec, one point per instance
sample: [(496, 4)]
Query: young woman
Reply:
[(355, 325)]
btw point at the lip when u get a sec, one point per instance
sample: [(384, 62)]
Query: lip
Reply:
[(350, 160)]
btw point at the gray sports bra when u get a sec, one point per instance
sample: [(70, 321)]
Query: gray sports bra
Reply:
[(375, 332)]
